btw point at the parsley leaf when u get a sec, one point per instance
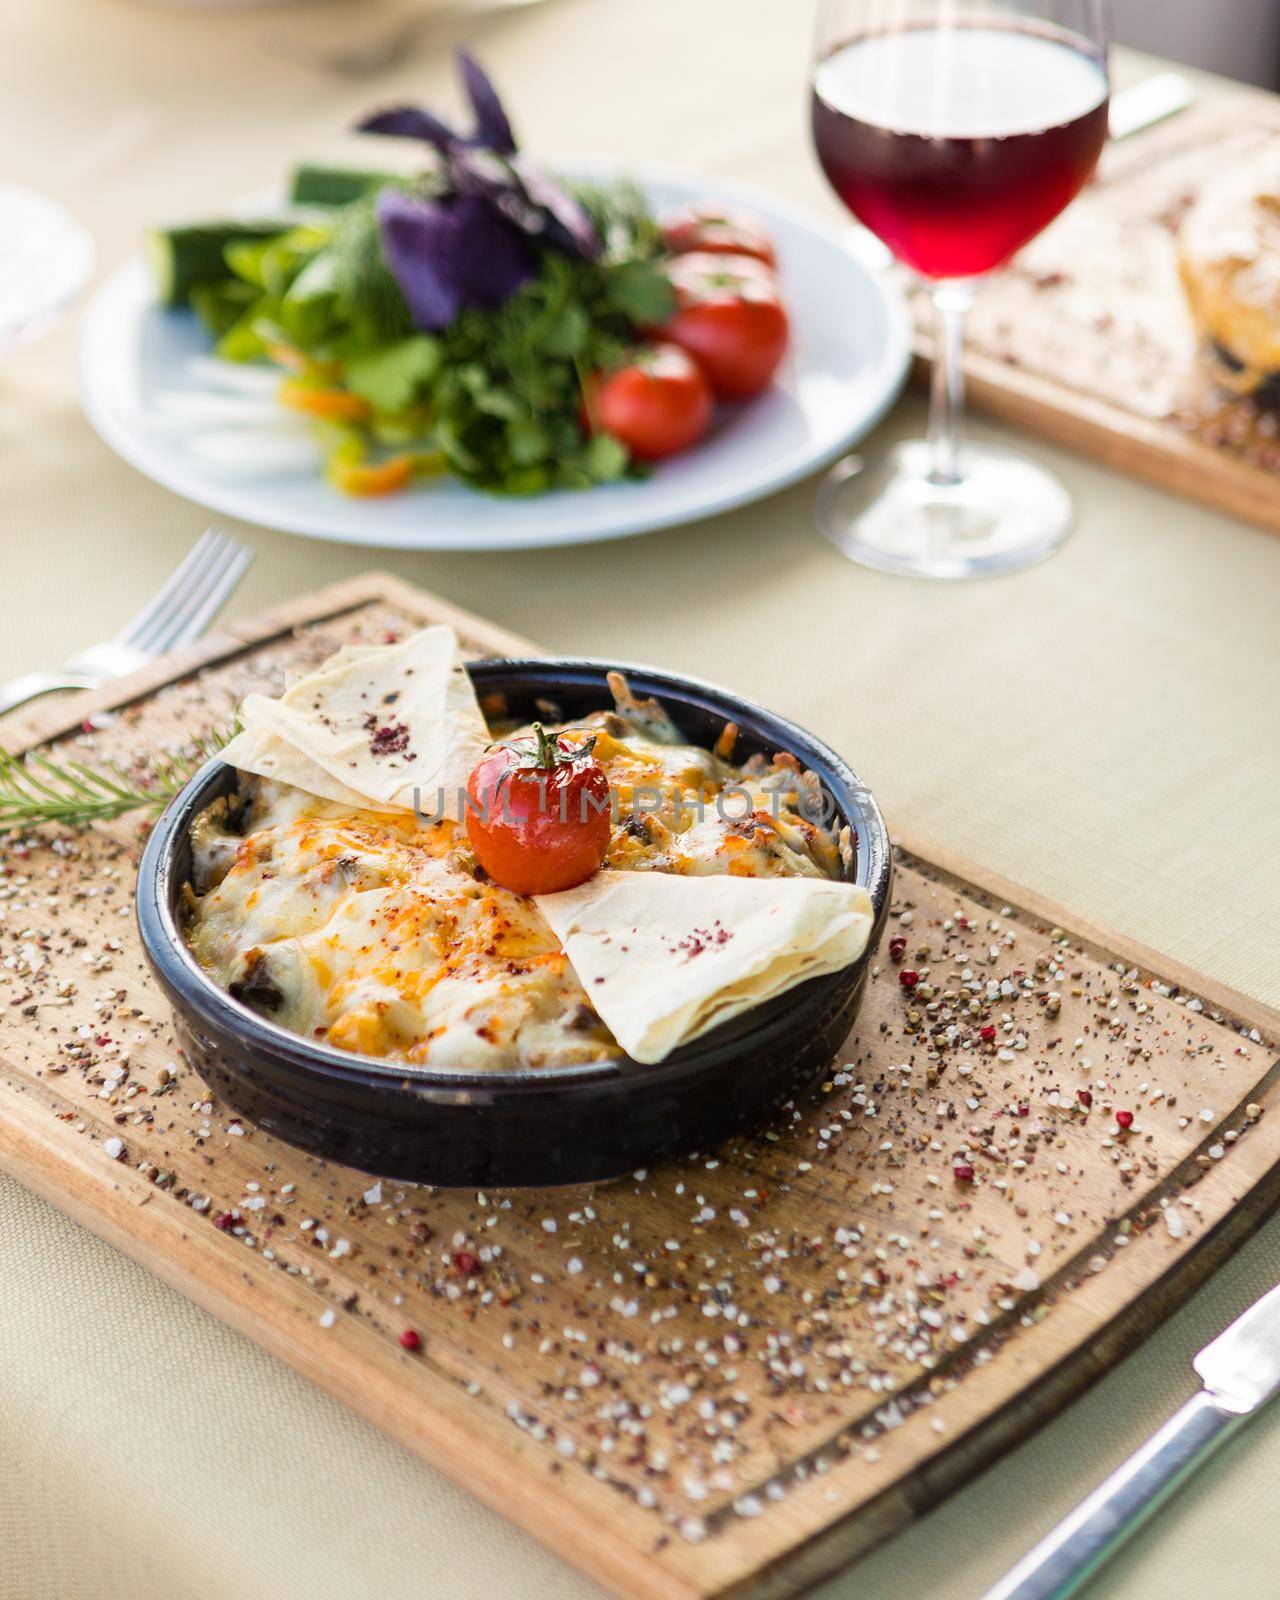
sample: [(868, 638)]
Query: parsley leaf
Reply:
[(641, 291), (394, 376)]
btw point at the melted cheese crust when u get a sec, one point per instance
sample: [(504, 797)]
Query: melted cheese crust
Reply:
[(381, 935)]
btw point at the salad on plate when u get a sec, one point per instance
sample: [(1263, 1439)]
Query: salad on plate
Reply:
[(481, 319)]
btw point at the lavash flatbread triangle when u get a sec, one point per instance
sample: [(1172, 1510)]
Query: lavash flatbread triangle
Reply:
[(268, 756), (393, 727), (665, 957)]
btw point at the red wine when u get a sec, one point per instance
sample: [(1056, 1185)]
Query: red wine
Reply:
[(957, 145)]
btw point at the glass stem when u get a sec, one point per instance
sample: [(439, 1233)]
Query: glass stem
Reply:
[(951, 302)]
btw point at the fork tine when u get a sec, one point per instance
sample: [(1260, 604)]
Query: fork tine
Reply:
[(219, 592), (156, 634), (137, 630), (175, 627)]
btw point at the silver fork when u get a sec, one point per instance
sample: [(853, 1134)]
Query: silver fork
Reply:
[(180, 612)]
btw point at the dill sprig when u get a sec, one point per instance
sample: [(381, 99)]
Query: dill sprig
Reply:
[(38, 789)]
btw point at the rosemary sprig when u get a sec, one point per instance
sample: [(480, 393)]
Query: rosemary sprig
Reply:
[(39, 789)]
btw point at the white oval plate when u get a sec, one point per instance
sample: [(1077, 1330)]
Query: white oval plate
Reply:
[(847, 362)]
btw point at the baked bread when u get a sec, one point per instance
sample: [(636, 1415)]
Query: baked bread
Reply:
[(1229, 262)]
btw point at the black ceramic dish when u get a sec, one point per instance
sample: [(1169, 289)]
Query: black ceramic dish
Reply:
[(560, 1124)]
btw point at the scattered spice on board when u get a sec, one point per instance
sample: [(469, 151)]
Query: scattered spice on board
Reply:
[(791, 1297)]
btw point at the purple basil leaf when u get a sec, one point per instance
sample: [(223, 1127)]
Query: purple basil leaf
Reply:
[(450, 254), (492, 126), (484, 171), (569, 227), (527, 197), (483, 174), (409, 122)]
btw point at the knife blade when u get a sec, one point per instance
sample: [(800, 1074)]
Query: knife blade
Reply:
[(1144, 104), (1241, 1367), (1240, 1371)]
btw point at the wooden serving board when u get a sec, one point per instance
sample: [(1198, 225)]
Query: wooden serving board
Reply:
[(1086, 339), (728, 1375)]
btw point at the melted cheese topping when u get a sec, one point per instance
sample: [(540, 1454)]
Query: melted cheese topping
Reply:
[(381, 935)]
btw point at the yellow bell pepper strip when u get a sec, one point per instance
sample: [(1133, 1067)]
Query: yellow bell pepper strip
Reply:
[(366, 479), (331, 405), (284, 355)]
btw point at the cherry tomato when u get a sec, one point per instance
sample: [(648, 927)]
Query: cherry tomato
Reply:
[(721, 230), (730, 317), (539, 814), (658, 405)]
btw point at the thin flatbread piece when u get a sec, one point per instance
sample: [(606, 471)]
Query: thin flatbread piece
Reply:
[(664, 958), (389, 727)]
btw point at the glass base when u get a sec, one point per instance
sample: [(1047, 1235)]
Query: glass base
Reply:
[(1005, 513)]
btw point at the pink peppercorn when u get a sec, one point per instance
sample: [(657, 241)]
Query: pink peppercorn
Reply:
[(226, 1221), (908, 977), (987, 1034), (897, 947), (1085, 1097), (1125, 1118), (411, 1339), (962, 1172), (465, 1262)]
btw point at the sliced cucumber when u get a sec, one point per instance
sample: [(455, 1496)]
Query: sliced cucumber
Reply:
[(334, 186), (183, 258)]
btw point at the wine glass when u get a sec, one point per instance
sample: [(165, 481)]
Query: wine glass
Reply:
[(45, 261), (955, 130)]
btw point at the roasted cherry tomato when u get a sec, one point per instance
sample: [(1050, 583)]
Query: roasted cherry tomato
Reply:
[(657, 405), (730, 317), (539, 814), (722, 230)]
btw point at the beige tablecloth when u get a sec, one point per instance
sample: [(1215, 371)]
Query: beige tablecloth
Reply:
[(1106, 728)]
